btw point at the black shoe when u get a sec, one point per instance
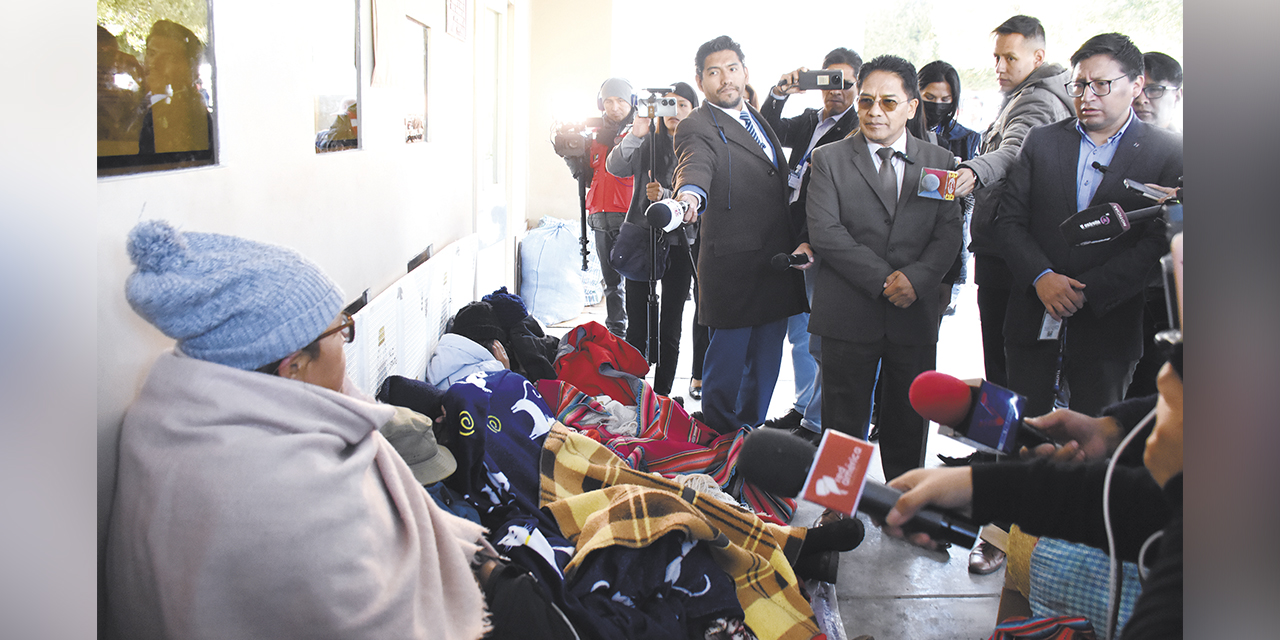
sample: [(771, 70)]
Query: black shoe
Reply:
[(695, 392), (789, 421), (823, 566), (678, 400)]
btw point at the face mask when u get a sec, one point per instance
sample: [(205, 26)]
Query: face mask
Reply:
[(936, 112)]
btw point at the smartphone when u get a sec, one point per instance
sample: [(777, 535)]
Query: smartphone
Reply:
[(821, 79), (1134, 185)]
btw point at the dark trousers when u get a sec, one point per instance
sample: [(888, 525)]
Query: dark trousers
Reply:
[(1090, 380), (741, 370), (675, 291), (701, 334), (849, 375), (994, 279), (1155, 318), (606, 226)]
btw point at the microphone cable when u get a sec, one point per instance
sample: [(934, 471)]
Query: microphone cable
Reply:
[(1115, 583)]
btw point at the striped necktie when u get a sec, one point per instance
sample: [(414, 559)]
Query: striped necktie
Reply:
[(751, 129)]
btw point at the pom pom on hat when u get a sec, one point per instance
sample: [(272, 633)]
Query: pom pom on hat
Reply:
[(225, 299), (156, 247)]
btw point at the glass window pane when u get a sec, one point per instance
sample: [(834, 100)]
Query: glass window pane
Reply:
[(155, 86), (336, 75)]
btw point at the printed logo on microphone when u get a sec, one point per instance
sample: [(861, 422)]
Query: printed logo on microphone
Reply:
[(839, 472)]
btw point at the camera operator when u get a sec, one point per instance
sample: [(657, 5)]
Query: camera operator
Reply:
[(609, 195), (803, 133), (631, 158)]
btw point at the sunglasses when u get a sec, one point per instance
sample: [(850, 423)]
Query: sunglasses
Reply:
[(888, 104)]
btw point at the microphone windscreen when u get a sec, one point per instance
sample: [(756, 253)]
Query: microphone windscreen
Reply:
[(930, 182), (1099, 223), (780, 262), (941, 398), (776, 461)]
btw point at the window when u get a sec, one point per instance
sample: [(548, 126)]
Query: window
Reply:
[(155, 86)]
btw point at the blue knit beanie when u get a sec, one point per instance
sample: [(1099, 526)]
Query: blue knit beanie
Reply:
[(225, 299)]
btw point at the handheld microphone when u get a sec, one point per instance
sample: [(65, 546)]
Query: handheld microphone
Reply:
[(779, 462), (782, 261), (666, 215), (1104, 223), (988, 415)]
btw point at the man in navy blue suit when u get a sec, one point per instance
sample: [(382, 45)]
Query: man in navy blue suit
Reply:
[(731, 172), (1079, 309)]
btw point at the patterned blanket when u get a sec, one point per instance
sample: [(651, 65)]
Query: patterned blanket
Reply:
[(670, 442), (599, 501)]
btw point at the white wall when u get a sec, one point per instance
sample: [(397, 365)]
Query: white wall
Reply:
[(568, 61), (361, 215)]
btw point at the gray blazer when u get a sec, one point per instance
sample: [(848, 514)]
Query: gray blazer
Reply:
[(860, 244)]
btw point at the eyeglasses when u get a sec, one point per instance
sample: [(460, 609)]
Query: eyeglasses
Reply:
[(347, 327), (1098, 87), (1156, 91), (888, 104)]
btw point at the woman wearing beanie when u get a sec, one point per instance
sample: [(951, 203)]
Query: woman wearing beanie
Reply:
[(632, 158), (255, 496)]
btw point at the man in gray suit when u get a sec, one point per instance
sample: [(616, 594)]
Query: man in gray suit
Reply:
[(884, 249)]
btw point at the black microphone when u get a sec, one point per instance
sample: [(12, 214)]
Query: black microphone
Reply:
[(1099, 166), (782, 261), (779, 462), (1104, 223)]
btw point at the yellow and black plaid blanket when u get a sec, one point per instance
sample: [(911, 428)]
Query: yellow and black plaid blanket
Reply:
[(599, 501)]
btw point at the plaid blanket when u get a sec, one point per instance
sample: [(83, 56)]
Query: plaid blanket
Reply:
[(598, 501), (670, 442)]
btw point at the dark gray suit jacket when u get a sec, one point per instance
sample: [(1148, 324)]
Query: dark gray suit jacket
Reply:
[(744, 222), (861, 244), (1040, 192)]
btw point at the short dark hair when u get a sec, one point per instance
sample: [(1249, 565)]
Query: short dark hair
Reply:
[(895, 65), (842, 55), (1025, 26), (1162, 66), (1118, 46), (723, 43), (939, 71)]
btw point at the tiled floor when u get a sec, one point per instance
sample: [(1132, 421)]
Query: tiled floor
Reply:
[(887, 588)]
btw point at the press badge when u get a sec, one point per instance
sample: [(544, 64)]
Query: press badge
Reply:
[(1049, 328), (796, 177)]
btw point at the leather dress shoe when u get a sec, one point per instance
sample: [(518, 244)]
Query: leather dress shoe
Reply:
[(789, 421), (695, 392), (985, 558)]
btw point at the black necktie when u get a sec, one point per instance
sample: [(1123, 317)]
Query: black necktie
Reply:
[(888, 179)]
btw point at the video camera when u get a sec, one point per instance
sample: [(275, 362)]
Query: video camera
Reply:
[(657, 105), (570, 139)]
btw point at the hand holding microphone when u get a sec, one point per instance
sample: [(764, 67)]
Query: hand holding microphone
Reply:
[(986, 415), (780, 463), (801, 258)]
